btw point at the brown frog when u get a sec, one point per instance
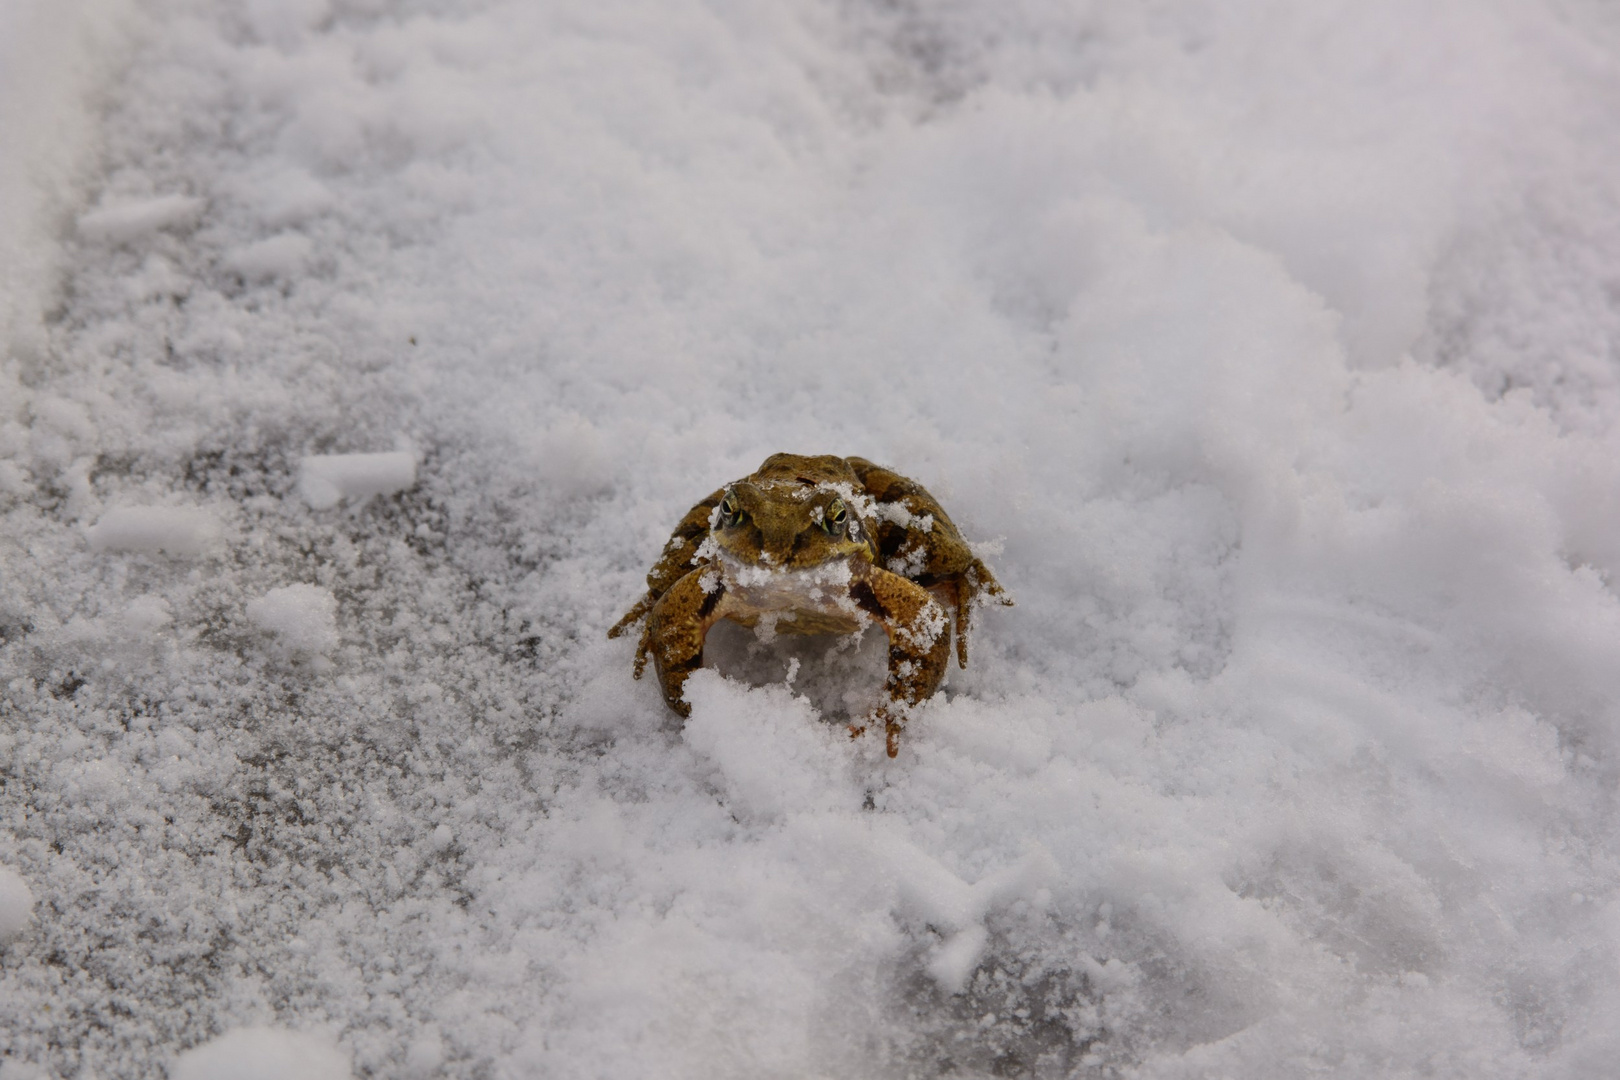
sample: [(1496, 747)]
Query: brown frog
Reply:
[(815, 545)]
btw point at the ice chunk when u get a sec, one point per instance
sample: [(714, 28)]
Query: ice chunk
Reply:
[(121, 222), (303, 617), (16, 903), (262, 1053), (174, 529), (324, 479)]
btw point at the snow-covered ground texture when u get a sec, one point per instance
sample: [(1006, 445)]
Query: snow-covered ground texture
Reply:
[(1271, 348)]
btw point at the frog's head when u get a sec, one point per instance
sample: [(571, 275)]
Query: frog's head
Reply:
[(788, 525)]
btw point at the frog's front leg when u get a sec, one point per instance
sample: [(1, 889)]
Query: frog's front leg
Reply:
[(679, 622), (673, 563), (919, 643), (918, 539)]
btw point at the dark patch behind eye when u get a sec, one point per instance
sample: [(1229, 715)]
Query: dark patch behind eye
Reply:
[(804, 480)]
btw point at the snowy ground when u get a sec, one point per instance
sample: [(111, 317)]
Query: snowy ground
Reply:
[(1276, 345)]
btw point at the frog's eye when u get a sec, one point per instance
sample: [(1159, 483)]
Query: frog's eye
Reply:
[(835, 517), (730, 513)]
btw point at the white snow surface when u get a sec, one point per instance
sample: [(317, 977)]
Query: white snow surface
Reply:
[(1274, 344)]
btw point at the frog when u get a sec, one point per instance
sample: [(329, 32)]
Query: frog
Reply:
[(816, 544)]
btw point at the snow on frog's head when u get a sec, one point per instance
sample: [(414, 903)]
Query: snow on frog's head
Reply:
[(795, 513)]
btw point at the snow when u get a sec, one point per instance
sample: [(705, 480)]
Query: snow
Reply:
[(1267, 349), (302, 617), (132, 219), (260, 1053), (16, 904), (176, 530), (283, 256), (327, 479)]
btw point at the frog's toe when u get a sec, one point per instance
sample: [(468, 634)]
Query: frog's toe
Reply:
[(893, 723), (983, 585), (641, 653), (632, 616)]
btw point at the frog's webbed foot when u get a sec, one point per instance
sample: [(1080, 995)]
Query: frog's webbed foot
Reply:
[(676, 561), (892, 726), (893, 720), (631, 617), (919, 644), (976, 586), (641, 650)]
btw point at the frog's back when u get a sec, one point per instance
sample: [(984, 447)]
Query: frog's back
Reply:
[(806, 469)]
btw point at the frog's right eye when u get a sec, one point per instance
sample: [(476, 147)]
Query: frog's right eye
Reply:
[(730, 513)]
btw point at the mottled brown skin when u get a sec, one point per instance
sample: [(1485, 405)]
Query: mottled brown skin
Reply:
[(816, 545)]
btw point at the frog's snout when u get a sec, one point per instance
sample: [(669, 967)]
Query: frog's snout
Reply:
[(778, 540)]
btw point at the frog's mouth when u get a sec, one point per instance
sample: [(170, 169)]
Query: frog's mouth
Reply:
[(836, 573), (817, 595)]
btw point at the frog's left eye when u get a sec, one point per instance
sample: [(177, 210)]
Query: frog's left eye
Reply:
[(730, 513), (835, 518)]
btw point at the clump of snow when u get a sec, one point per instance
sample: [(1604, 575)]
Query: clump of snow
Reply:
[(262, 1053), (16, 904), (126, 220), (146, 614), (326, 479), (770, 762), (283, 256), (103, 781), (302, 617), (172, 529)]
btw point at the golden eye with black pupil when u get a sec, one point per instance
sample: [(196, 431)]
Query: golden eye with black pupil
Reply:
[(730, 513), (833, 519)]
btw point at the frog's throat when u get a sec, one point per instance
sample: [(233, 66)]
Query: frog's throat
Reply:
[(817, 598)]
